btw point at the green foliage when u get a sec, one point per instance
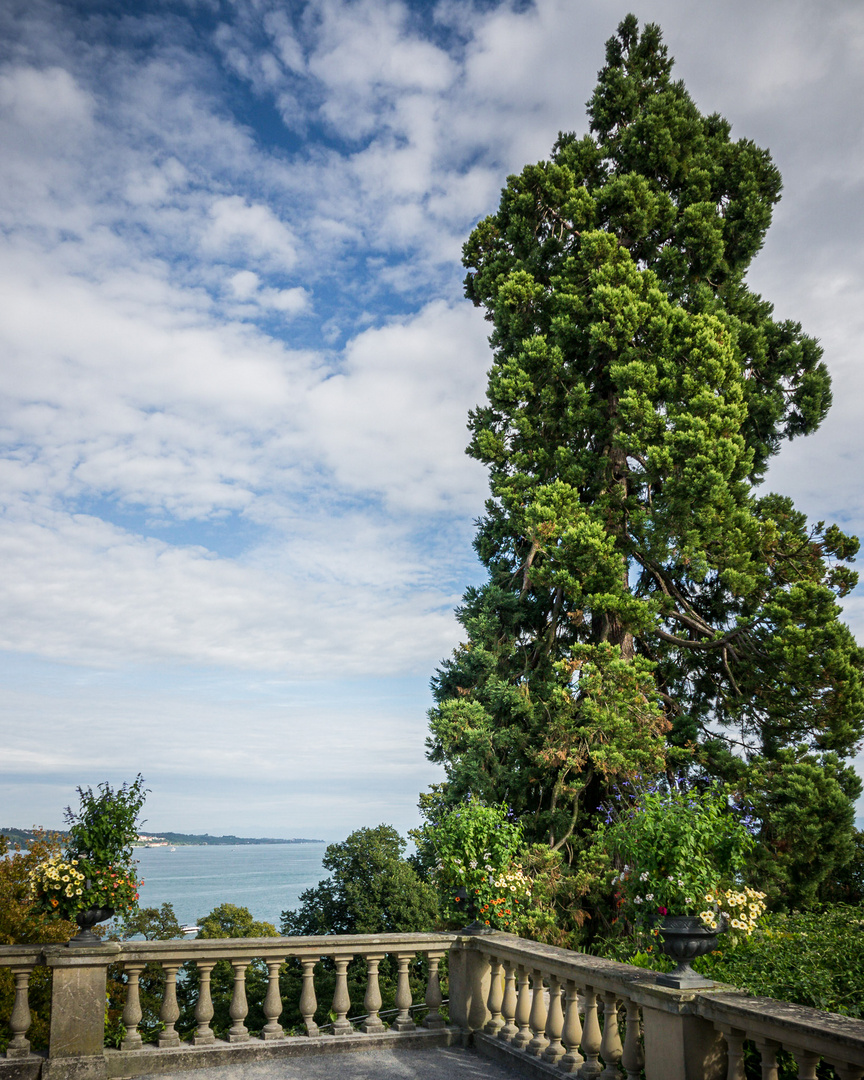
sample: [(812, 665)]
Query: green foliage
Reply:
[(482, 869), (806, 804), (231, 921), (674, 848), (373, 890), (645, 611), (813, 958), (153, 924), (23, 923)]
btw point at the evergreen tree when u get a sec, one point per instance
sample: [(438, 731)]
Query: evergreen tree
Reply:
[(646, 608)]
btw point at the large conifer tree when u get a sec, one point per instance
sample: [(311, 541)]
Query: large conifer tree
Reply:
[(646, 609)]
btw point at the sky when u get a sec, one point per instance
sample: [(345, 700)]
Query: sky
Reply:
[(237, 365)]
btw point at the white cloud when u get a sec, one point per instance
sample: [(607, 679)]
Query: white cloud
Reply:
[(245, 285), (176, 282), (236, 228), (81, 590), (45, 101), (387, 420)]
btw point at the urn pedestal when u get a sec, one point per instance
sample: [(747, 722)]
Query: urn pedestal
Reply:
[(86, 921), (684, 937)]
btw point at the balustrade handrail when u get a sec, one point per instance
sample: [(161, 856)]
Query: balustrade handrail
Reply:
[(329, 945), (281, 947), (608, 976), (525, 998)]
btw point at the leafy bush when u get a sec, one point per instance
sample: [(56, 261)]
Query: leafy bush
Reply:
[(373, 890), (22, 924)]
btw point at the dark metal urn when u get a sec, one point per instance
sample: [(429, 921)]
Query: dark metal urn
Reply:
[(86, 921), (470, 908), (684, 938)]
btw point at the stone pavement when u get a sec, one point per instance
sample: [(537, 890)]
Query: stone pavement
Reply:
[(440, 1063)]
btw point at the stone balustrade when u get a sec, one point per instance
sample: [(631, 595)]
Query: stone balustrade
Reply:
[(550, 1011), (543, 1010)]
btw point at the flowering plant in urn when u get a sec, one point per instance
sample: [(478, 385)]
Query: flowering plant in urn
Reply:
[(681, 851), (97, 874)]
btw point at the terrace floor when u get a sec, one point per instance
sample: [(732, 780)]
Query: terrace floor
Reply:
[(438, 1063)]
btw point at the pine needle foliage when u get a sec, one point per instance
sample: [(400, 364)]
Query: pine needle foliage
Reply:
[(647, 607)]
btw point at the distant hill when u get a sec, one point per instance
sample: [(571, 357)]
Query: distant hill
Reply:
[(24, 836), (206, 838)]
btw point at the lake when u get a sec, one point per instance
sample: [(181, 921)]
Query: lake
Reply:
[(266, 878)]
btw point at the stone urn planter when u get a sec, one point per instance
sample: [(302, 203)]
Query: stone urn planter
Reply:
[(86, 921), (684, 937)]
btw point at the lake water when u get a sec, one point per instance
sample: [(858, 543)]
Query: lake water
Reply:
[(266, 878)]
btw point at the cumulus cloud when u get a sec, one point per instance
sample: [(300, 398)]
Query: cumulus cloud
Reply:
[(249, 231), (237, 367)]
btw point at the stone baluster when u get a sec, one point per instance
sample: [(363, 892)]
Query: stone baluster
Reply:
[(434, 997), (523, 1011), (19, 1021), (538, 1016), (132, 1009), (610, 1046), (554, 1023), (807, 1063), (508, 1005), (572, 1034), (372, 1001), (847, 1071), (496, 997), (273, 1003), (239, 1008), (591, 1036), (308, 1001), (633, 1058), (204, 1006), (169, 1014), (768, 1052), (734, 1051), (341, 1000), (404, 1001)]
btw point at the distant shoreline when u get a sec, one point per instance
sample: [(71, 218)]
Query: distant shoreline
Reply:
[(170, 839)]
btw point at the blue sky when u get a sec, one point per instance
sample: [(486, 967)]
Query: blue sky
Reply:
[(237, 513)]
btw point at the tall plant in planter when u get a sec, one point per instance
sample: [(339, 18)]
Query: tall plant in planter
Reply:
[(681, 859), (96, 877)]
